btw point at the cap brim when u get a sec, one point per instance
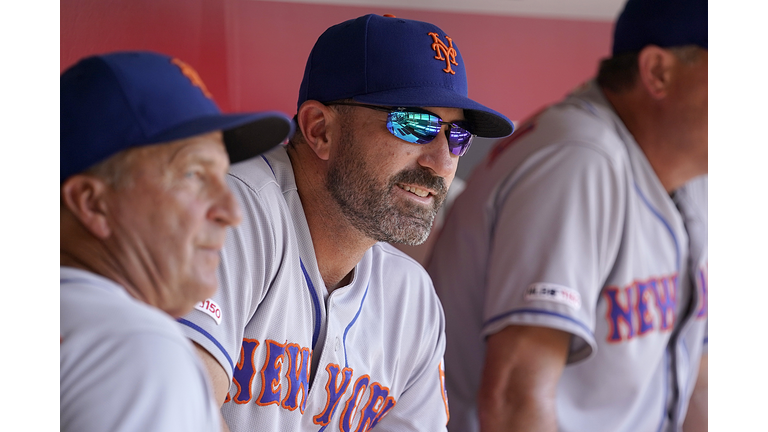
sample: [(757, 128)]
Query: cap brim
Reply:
[(484, 121), (245, 135), (263, 132)]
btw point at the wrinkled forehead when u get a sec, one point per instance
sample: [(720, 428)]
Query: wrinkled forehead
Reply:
[(165, 159), (206, 145)]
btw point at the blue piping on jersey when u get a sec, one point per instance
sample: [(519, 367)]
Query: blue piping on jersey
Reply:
[(664, 222), (706, 340), (269, 165), (312, 291), (315, 301), (677, 269), (346, 330), (537, 311), (590, 107), (210, 337), (344, 340), (72, 280)]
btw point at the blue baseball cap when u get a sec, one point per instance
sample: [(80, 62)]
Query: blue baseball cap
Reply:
[(391, 61), (665, 23), (121, 100)]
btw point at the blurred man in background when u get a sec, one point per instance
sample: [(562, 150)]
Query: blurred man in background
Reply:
[(573, 268)]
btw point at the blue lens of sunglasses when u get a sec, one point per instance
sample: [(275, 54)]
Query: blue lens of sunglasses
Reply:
[(422, 128)]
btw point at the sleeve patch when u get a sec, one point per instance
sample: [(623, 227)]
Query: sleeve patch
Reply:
[(554, 293), (210, 308)]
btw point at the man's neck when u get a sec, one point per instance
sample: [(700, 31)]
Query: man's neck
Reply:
[(338, 245), (79, 249), (660, 143), (105, 268)]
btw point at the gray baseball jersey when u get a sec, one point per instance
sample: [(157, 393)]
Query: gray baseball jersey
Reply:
[(125, 366), (369, 354), (565, 225)]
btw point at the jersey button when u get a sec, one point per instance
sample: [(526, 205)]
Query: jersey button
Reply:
[(337, 345)]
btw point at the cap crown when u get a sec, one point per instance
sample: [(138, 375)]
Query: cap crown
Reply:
[(120, 100), (665, 23), (373, 54), (394, 62)]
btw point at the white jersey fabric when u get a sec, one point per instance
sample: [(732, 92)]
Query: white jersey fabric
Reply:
[(565, 225), (369, 354), (125, 366)]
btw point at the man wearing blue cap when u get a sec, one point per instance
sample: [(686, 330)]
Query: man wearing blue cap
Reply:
[(573, 268), (144, 212), (321, 325)]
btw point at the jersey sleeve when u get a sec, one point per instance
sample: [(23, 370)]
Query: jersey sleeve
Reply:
[(244, 275), (557, 232), (144, 382)]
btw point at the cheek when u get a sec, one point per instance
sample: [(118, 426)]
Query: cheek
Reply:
[(397, 155), (449, 179), (192, 218), (378, 162), (180, 217), (138, 214)]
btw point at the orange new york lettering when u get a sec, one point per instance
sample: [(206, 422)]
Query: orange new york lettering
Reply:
[(271, 374), (350, 408), (379, 403), (245, 371), (334, 390), (299, 360), (443, 391)]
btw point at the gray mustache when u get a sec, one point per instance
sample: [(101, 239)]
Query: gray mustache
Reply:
[(422, 178)]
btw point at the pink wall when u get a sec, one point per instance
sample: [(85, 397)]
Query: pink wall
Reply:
[(251, 54)]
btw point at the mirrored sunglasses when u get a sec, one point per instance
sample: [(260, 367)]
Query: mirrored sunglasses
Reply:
[(418, 126)]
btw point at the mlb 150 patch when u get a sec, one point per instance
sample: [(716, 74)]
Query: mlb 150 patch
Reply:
[(210, 308), (554, 293)]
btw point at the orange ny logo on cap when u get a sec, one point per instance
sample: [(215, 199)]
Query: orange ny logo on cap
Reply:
[(449, 51), (193, 76)]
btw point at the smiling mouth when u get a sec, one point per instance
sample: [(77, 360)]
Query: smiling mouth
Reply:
[(414, 190)]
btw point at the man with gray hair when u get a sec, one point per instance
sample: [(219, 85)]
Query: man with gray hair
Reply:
[(144, 213)]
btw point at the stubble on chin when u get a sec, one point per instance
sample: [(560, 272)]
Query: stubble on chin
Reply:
[(376, 212), (373, 207)]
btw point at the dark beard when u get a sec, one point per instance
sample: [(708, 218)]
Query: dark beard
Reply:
[(370, 207)]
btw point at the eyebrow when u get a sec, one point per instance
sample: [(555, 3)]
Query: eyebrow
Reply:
[(202, 156)]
